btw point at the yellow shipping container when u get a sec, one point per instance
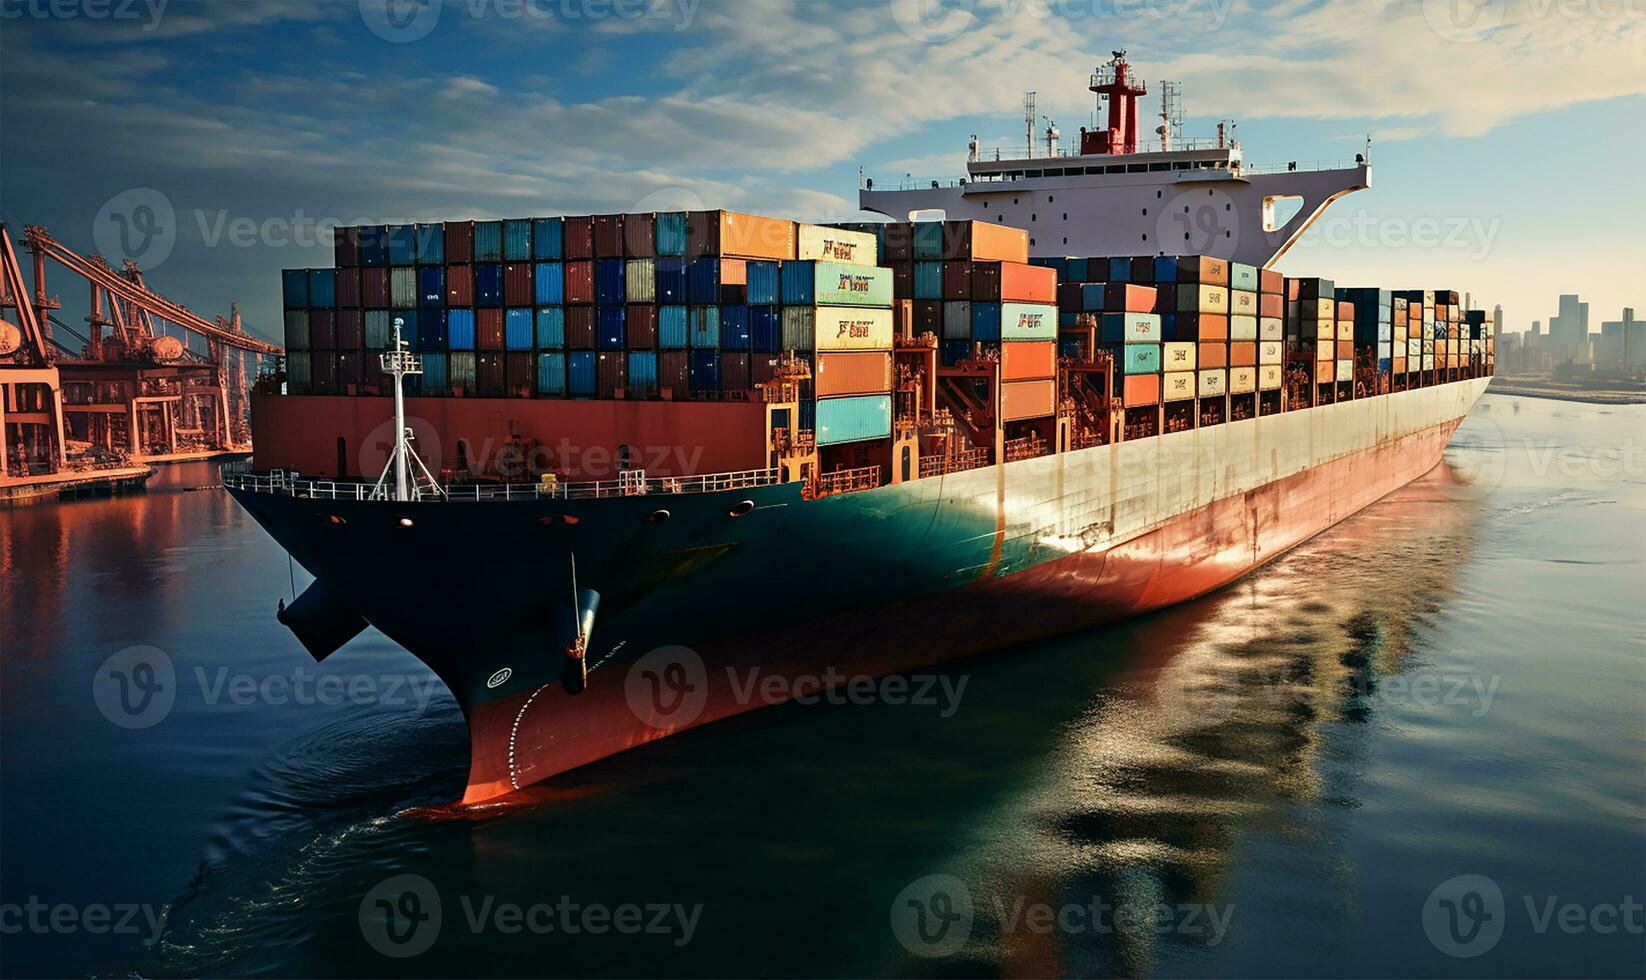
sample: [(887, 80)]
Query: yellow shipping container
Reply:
[(853, 328)]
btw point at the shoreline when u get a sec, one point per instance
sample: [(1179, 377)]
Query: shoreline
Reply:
[(1590, 396)]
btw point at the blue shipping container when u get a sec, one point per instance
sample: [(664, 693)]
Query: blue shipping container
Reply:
[(551, 374), (517, 328), (671, 233), (642, 374), (551, 283), (608, 281), (460, 329), (762, 285), (517, 240), (928, 280), (323, 288), (608, 328), (434, 372), (488, 285), (705, 370), (580, 373), (431, 286), (488, 241), (402, 244), (928, 240), (1072, 270), (294, 288), (431, 244), (374, 246), (1120, 270), (551, 327), (765, 329), (1165, 268), (703, 281), (1091, 297), (705, 327), (853, 419), (431, 330), (734, 327), (955, 351), (671, 279), (671, 327), (547, 235), (985, 321)]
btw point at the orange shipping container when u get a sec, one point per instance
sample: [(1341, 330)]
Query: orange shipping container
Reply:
[(1243, 353), (1271, 304), (1203, 269), (748, 236), (1203, 326), (1325, 372), (1024, 360), (1212, 356), (853, 373), (1013, 282), (984, 242), (1345, 350), (1140, 389), (1027, 400)]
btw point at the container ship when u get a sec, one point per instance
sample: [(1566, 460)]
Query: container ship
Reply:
[(614, 476)]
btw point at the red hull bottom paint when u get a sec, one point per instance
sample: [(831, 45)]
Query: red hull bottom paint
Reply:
[(531, 736)]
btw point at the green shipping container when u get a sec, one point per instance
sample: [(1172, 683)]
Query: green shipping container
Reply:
[(1028, 321), (839, 284), (1242, 276), (1141, 359), (853, 419)]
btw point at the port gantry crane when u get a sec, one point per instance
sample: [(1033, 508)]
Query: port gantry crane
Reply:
[(131, 393)]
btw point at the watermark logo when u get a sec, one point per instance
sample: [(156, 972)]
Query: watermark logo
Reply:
[(1464, 916), (136, 687), (138, 224), (668, 687), (400, 21), (400, 917), (932, 916), (1197, 221), (1464, 21), (1478, 456), (933, 21)]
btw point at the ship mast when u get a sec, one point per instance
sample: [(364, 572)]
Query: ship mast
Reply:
[(412, 479)]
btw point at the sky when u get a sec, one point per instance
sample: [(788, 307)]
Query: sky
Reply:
[(215, 141)]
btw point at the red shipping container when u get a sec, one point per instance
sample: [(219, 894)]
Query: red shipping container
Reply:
[(1022, 360), (851, 373), (611, 372), (1242, 353), (1270, 281), (608, 236), (460, 242), (639, 235), (1271, 305), (322, 330), (459, 285), (1211, 356), (519, 374), (1165, 299), (1202, 326), (488, 329), (579, 242), (351, 329), (928, 316), (1123, 297), (373, 372), (899, 242), (488, 375), (957, 279), (1028, 400), (734, 372), (1019, 282), (1140, 389), (1345, 311), (346, 248), (579, 282), (580, 327), (640, 321), (1345, 349), (350, 370), (762, 368), (324, 374), (517, 284), (673, 373), (1068, 294), (374, 287), (348, 287), (903, 280)]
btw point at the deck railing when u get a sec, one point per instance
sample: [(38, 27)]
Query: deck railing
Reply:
[(239, 476)]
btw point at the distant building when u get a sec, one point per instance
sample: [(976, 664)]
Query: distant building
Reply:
[(1569, 331)]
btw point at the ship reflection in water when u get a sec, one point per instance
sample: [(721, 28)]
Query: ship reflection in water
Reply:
[(1270, 781)]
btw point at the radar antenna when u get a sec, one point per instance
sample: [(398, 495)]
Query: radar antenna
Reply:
[(412, 480), (1171, 115), (1028, 121)]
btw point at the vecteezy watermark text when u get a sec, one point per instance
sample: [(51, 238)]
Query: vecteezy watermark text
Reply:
[(39, 917), (147, 11)]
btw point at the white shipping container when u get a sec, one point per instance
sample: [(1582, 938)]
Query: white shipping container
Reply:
[(1242, 380), (1268, 377), (1242, 327), (1242, 302), (1326, 331), (1345, 330), (1325, 350), (852, 328), (1213, 383), (1345, 370), (1269, 352), (837, 245), (1179, 356), (1270, 328), (1177, 385)]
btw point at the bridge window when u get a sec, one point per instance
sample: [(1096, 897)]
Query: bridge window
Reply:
[(1117, 168), (1094, 170), (1155, 167), (1032, 173), (1137, 168), (1054, 173), (1180, 166)]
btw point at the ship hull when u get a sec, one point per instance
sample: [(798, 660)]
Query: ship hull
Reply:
[(717, 609)]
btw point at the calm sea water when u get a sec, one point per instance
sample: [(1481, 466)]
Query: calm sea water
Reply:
[(1287, 778)]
